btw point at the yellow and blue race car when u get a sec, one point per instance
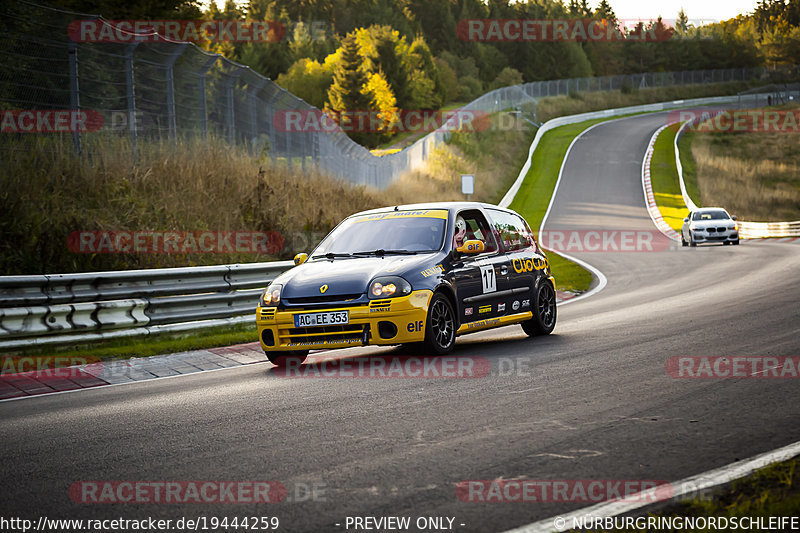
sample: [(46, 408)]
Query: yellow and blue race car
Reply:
[(422, 273)]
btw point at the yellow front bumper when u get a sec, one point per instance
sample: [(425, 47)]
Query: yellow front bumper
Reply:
[(407, 314)]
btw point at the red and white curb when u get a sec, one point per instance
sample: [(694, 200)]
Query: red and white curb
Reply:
[(647, 187), (14, 386)]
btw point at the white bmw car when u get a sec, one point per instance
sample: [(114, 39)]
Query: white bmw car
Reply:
[(709, 224)]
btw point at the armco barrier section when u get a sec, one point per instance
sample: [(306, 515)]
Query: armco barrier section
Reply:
[(64, 308)]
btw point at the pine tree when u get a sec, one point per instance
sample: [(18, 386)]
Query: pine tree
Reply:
[(346, 93)]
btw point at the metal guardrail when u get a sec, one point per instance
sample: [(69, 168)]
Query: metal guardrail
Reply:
[(64, 308)]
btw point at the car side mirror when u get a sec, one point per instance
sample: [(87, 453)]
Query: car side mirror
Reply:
[(686, 219), (472, 247), (734, 217), (301, 258)]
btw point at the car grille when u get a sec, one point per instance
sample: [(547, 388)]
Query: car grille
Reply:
[(340, 333), (333, 298)]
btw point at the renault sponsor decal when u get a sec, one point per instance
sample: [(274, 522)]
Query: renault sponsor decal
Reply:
[(428, 272)]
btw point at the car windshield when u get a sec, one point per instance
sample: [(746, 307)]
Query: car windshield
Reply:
[(394, 232), (710, 215)]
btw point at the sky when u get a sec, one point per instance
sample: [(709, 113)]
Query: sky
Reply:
[(708, 10), (696, 10)]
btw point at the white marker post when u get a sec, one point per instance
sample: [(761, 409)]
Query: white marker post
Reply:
[(467, 184)]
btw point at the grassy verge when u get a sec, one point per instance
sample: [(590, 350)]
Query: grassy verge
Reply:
[(755, 175), (534, 195), (689, 166), (773, 491), (147, 345), (664, 177)]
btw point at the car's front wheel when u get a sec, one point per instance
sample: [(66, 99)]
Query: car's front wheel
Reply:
[(440, 329), (287, 358), (544, 311), (736, 242), (691, 240)]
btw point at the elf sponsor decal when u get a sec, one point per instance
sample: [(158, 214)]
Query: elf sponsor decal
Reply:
[(415, 326)]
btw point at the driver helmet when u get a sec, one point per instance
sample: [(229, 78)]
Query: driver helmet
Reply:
[(461, 230)]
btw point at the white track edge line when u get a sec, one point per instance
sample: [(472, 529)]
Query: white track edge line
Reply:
[(602, 281), (706, 480)]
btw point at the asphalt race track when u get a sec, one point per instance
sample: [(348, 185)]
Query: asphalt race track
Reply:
[(591, 401)]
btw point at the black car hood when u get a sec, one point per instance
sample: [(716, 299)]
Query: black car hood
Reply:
[(348, 276)]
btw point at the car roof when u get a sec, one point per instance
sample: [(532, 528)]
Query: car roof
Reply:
[(450, 206), (706, 209)]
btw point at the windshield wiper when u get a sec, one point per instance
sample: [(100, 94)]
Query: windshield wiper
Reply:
[(331, 255), (381, 252)]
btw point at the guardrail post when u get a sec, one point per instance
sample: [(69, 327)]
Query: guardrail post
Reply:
[(131, 98), (170, 75), (74, 95), (252, 91), (230, 117), (201, 89)]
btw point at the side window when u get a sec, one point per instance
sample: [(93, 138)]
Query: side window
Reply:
[(475, 228), (512, 230)]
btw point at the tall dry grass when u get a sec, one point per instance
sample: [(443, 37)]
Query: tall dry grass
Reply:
[(753, 175), (47, 193)]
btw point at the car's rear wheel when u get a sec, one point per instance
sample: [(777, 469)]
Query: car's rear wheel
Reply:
[(544, 311), (440, 328), (287, 358)]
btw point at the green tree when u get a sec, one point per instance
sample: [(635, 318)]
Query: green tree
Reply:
[(346, 95), (308, 79), (507, 77)]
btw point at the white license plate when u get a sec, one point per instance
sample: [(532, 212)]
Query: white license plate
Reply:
[(329, 318)]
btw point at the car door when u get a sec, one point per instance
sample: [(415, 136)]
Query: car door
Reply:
[(525, 261), (480, 280)]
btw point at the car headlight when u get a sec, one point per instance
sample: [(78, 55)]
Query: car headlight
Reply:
[(388, 287), (271, 296)]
